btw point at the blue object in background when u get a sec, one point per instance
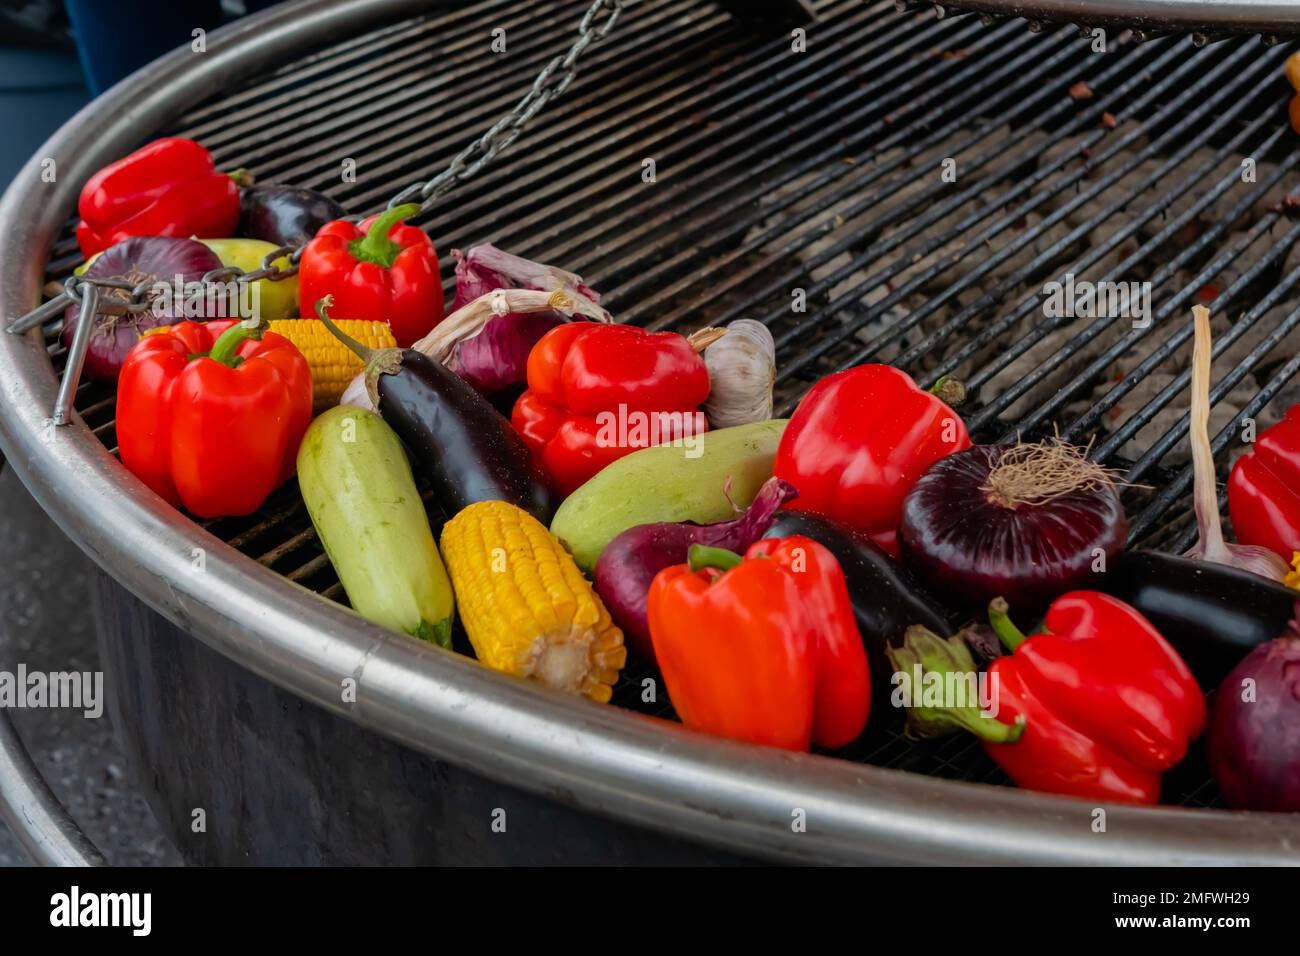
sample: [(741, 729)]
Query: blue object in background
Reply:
[(115, 39), (42, 84), (39, 90)]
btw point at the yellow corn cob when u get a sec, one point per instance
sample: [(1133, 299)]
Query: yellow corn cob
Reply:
[(525, 605), (333, 364)]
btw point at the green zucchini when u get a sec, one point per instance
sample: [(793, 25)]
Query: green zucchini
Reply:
[(664, 483), (361, 496)]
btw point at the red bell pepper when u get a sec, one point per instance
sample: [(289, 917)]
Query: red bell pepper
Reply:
[(210, 414), (858, 442), (1264, 489), (597, 392), (1097, 705), (843, 700), (381, 271), (764, 648), (170, 187)]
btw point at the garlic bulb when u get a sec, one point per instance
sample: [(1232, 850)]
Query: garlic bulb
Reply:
[(742, 370)]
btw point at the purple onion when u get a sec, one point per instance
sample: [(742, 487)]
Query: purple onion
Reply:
[(485, 268), (1254, 732), (141, 259), (630, 562), (497, 357), (1026, 522)]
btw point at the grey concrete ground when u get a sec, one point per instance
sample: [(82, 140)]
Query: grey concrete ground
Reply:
[(44, 620), (45, 623)]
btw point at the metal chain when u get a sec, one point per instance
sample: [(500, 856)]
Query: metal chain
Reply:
[(554, 79), (551, 82)]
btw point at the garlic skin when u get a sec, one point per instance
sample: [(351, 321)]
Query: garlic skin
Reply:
[(1210, 545), (742, 370)]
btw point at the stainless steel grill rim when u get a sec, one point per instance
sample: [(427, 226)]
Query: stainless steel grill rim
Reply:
[(600, 759), (1266, 17)]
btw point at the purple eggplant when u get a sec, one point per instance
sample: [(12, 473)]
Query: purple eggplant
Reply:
[(285, 215), (630, 562)]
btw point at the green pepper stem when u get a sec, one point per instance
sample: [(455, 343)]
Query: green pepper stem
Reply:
[(375, 246), (702, 556), (229, 341), (1000, 620)]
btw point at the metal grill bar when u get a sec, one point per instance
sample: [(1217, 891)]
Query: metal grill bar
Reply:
[(1180, 300), (994, 229), (747, 155), (1016, 94), (1004, 253), (821, 171), (494, 84), (1159, 208), (674, 120), (405, 125), (471, 114)]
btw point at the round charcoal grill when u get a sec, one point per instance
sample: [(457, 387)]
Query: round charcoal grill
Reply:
[(782, 177)]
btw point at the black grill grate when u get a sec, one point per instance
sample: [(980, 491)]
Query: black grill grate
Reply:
[(820, 171)]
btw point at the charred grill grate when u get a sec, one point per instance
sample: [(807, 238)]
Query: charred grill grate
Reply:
[(821, 171)]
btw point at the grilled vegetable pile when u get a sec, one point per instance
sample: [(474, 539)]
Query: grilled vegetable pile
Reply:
[(531, 482)]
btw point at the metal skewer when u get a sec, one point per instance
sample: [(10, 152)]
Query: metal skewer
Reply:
[(77, 353), (41, 314)]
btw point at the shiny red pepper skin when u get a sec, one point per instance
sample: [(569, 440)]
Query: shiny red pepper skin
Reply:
[(843, 700), (1108, 704), (737, 650), (585, 377), (858, 442), (1264, 489), (171, 187), (216, 438), (381, 275), (766, 650)]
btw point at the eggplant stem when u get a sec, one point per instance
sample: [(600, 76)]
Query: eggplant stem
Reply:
[(378, 361), (323, 305), (1006, 630), (924, 653)]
